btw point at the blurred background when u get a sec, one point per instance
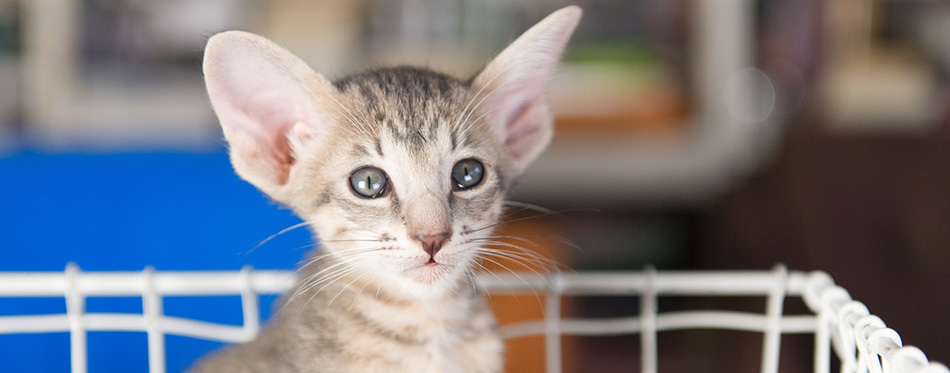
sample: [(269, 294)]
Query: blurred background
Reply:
[(691, 134)]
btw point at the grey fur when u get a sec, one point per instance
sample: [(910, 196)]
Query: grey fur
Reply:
[(313, 332), (375, 298), (411, 103)]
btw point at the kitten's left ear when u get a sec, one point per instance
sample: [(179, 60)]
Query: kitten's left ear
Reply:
[(512, 86), (268, 101)]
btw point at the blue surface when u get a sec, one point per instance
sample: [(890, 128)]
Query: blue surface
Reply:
[(173, 211)]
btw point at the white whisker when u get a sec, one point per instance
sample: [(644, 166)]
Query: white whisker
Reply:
[(516, 276), (344, 289), (528, 206), (282, 231)]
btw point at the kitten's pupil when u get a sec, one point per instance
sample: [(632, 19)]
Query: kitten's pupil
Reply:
[(467, 173)]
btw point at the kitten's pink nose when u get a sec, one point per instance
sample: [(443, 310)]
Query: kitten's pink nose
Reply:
[(432, 243)]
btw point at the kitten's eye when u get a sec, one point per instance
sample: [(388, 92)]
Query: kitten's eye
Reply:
[(369, 182), (467, 173)]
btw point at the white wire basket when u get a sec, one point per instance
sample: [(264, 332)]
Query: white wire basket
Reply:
[(860, 340)]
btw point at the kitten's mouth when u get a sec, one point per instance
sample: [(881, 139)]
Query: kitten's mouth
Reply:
[(429, 272)]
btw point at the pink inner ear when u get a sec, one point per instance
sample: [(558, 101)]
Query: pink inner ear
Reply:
[(522, 128), (262, 95), (272, 113), (254, 146), (284, 158)]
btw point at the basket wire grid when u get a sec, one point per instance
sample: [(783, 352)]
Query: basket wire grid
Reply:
[(861, 341)]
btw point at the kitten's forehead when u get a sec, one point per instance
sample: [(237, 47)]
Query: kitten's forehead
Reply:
[(412, 106), (404, 83)]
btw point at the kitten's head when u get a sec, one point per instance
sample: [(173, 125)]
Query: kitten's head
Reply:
[(401, 171)]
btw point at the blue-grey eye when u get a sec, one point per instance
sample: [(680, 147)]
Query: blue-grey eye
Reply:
[(369, 182), (467, 173)]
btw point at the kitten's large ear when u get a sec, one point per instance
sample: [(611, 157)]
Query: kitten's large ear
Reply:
[(512, 86), (267, 101)]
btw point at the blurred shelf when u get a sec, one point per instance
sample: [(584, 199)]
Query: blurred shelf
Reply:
[(631, 127), (597, 98), (672, 168), (169, 108)]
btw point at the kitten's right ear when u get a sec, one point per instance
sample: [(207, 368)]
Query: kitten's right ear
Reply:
[(512, 87), (267, 101)]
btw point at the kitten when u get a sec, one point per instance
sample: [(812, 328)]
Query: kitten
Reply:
[(401, 173)]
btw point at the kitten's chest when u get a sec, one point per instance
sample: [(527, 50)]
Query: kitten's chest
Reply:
[(435, 356), (452, 355), (445, 338)]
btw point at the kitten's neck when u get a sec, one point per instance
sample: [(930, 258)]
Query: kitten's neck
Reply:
[(460, 313)]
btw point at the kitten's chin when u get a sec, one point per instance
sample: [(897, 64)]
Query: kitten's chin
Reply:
[(430, 280), (428, 274)]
